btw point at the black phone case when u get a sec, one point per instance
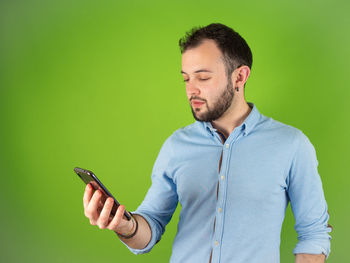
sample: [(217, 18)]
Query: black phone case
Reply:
[(90, 178)]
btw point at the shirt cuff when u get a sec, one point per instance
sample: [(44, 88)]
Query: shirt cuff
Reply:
[(312, 247), (153, 240)]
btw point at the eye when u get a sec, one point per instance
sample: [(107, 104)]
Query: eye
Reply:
[(185, 80), (204, 79)]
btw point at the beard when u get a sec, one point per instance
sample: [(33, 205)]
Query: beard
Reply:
[(219, 107)]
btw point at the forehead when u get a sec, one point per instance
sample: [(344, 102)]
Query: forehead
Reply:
[(206, 55)]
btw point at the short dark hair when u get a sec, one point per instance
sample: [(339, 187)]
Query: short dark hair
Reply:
[(234, 48)]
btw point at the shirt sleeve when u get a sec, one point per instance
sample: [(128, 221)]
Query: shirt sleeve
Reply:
[(307, 201), (161, 199)]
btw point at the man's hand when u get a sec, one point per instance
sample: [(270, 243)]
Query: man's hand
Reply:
[(99, 212), (310, 258)]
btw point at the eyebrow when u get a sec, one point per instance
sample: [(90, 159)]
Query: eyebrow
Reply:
[(197, 71)]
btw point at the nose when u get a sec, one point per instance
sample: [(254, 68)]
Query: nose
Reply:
[(192, 89)]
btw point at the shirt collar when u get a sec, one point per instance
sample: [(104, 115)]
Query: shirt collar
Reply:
[(247, 125)]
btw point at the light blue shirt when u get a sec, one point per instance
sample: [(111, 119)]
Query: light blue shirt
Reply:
[(265, 164)]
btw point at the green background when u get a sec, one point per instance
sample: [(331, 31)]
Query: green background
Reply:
[(97, 84)]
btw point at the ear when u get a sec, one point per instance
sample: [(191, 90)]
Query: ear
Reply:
[(240, 75)]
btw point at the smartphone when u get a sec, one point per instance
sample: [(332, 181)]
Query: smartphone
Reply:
[(89, 178)]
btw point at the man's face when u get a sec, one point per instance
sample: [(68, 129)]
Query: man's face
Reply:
[(206, 81)]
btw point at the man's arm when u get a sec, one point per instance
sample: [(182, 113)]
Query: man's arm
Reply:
[(152, 215), (310, 258), (159, 204), (308, 203)]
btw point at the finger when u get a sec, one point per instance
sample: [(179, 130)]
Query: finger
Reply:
[(87, 195), (92, 208), (103, 219), (117, 220)]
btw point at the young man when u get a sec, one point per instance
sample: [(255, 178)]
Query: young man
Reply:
[(233, 171)]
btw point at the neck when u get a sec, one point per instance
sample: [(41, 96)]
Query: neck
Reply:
[(233, 117)]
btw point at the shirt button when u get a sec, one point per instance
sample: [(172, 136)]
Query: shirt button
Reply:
[(220, 209), (227, 145), (222, 177), (216, 243)]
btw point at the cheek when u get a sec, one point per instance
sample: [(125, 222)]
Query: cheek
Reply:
[(210, 90)]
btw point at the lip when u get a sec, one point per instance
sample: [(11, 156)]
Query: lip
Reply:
[(197, 103)]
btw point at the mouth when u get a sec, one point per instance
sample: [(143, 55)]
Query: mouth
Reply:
[(197, 103)]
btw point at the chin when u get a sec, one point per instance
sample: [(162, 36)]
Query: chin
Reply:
[(198, 117)]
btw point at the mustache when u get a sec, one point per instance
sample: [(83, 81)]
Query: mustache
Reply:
[(196, 98)]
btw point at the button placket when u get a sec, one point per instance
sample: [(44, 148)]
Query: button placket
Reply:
[(221, 202), (221, 195), (216, 242)]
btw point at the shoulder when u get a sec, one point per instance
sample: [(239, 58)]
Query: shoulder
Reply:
[(283, 131), (180, 133), (298, 142), (188, 133), (284, 139)]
